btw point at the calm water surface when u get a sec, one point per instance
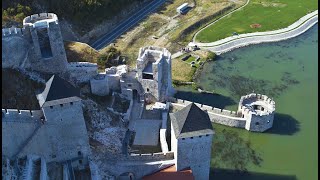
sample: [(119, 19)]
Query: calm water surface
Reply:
[(287, 71)]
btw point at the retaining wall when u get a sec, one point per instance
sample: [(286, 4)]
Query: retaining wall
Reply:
[(234, 42)]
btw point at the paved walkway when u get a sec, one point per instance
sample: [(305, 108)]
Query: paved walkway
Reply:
[(136, 110), (230, 43)]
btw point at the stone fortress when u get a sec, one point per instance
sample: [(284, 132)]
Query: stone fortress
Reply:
[(37, 46), (58, 133)]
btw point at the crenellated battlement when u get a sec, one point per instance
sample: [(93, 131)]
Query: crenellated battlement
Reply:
[(256, 104), (39, 20), (208, 108), (156, 53), (151, 156), (17, 115), (8, 32), (255, 112)]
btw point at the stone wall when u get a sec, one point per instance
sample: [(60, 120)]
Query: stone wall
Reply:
[(14, 115), (51, 141), (99, 85), (160, 86), (44, 170), (25, 43), (82, 71), (244, 118), (151, 156), (195, 152), (7, 32), (163, 132), (257, 120), (216, 115)]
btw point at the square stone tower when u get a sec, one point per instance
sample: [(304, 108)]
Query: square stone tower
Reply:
[(154, 72), (191, 140), (67, 136), (38, 45), (49, 51)]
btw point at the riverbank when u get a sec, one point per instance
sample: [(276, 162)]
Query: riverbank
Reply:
[(257, 16), (233, 42)]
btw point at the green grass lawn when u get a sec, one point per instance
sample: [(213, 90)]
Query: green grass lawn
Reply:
[(192, 58), (270, 14)]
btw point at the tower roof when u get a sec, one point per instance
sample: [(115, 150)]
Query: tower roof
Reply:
[(191, 121), (58, 91)]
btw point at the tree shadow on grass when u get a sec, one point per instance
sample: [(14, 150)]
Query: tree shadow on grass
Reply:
[(209, 99), (229, 174), (284, 124)]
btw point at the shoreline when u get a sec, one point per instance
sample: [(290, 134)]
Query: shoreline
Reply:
[(234, 42)]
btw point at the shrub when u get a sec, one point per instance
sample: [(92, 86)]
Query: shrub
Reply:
[(211, 56)]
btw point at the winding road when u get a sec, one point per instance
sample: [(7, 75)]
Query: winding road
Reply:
[(108, 38)]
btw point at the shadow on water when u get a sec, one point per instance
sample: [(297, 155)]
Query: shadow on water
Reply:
[(229, 174), (284, 124), (215, 100)]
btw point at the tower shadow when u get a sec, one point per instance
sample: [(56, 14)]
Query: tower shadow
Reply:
[(215, 100), (284, 124), (229, 174)]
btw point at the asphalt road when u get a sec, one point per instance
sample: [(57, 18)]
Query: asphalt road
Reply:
[(108, 38)]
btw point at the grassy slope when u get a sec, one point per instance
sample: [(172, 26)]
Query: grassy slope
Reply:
[(80, 52), (271, 14), (181, 71)]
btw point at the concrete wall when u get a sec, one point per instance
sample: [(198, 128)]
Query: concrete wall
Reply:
[(195, 152)]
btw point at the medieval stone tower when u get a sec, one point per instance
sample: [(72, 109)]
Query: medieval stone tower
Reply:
[(37, 46), (62, 108), (258, 110), (154, 72), (191, 140)]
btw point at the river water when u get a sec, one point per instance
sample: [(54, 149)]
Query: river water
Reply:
[(287, 71)]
